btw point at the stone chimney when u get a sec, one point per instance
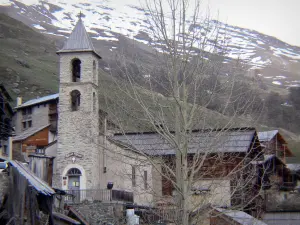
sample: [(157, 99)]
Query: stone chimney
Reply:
[(19, 101)]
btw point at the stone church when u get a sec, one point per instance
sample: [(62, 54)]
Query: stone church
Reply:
[(71, 127), (86, 158)]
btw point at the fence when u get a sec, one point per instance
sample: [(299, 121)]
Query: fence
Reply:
[(104, 195)]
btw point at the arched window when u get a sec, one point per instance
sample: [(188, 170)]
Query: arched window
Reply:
[(74, 172), (75, 100), (94, 71), (94, 101), (76, 70)]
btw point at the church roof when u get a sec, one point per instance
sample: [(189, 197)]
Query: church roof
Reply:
[(79, 40)]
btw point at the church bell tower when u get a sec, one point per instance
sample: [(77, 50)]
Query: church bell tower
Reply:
[(78, 119)]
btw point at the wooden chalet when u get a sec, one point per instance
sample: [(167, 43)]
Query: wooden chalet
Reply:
[(273, 143), (30, 141)]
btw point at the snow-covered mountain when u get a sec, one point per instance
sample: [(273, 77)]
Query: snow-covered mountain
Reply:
[(275, 61)]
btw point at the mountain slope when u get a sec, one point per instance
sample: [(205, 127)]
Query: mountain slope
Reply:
[(274, 62), (29, 68), (28, 64)]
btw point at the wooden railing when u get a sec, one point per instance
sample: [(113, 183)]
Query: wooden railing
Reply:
[(103, 195)]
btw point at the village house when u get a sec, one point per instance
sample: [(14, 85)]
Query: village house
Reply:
[(6, 129)]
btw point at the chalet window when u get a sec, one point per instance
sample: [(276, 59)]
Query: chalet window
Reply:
[(75, 100), (94, 101), (29, 110), (29, 123), (24, 125), (5, 150), (145, 180), (76, 70), (45, 104), (133, 176), (23, 111)]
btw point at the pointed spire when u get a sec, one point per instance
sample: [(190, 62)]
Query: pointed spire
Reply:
[(79, 39)]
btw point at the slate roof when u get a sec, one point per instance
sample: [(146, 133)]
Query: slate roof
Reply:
[(279, 218), (38, 100), (39, 185), (240, 217), (293, 167), (233, 140), (29, 132), (79, 40), (267, 135)]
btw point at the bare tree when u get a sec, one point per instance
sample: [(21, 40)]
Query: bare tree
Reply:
[(170, 95)]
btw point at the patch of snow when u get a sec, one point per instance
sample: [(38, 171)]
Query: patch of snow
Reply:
[(276, 82), (39, 27), (47, 6), (280, 77), (6, 3), (268, 77), (107, 39), (260, 42), (107, 68)]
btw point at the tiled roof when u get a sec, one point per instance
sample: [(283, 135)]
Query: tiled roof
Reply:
[(39, 185), (29, 132), (79, 40), (38, 100), (266, 135), (234, 140)]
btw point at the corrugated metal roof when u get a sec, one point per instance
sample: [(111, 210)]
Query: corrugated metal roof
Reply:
[(240, 217), (29, 132), (39, 100), (279, 218), (214, 141), (79, 40), (266, 135), (39, 185)]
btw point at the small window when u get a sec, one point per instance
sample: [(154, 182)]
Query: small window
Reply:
[(5, 150), (76, 70), (145, 180), (29, 110), (94, 101), (24, 125), (75, 100), (133, 177), (29, 123), (45, 104), (23, 111), (94, 71)]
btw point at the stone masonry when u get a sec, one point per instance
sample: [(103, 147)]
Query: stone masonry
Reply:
[(78, 131)]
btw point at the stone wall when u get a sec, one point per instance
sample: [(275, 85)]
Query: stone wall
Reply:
[(97, 213), (119, 171)]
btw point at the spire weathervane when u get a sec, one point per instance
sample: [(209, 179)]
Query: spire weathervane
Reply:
[(79, 15)]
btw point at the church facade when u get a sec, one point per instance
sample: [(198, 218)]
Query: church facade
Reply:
[(85, 158)]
